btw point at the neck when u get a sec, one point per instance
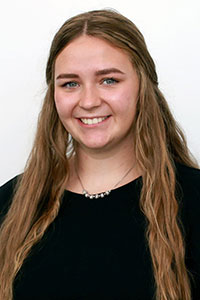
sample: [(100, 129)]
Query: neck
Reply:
[(102, 171)]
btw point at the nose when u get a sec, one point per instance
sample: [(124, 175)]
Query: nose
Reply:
[(89, 98)]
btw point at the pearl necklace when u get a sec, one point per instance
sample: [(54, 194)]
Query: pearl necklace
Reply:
[(103, 194)]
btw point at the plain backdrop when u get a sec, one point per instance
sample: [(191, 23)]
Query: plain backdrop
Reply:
[(172, 32)]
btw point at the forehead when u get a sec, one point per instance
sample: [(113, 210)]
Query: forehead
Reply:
[(91, 52)]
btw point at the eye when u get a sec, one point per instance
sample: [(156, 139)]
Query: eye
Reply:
[(109, 81), (70, 84)]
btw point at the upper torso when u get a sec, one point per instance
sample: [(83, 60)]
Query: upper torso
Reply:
[(96, 248)]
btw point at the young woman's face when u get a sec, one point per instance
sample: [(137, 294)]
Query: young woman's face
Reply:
[(96, 92)]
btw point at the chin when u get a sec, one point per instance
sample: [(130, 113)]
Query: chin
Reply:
[(95, 145), (94, 142)]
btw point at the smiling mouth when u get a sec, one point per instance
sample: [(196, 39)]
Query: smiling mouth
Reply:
[(92, 121)]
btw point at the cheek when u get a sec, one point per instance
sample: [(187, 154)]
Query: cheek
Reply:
[(62, 105), (124, 102)]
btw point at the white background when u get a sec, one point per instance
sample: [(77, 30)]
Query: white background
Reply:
[(172, 32)]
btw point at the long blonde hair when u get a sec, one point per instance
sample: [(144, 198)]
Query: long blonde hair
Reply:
[(158, 144)]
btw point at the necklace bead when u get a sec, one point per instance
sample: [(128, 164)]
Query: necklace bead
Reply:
[(96, 196), (100, 195)]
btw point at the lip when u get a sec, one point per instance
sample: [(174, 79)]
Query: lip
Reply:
[(93, 117)]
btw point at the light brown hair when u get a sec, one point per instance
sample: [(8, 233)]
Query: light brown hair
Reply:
[(159, 143)]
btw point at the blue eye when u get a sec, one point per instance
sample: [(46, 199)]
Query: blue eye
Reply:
[(70, 84), (110, 81)]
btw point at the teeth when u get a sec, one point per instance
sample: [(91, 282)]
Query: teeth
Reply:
[(93, 121)]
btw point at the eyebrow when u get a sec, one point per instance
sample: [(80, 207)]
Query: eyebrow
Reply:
[(97, 73), (108, 71)]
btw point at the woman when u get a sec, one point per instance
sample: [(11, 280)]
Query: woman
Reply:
[(117, 217)]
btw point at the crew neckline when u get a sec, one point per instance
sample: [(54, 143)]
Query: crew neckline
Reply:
[(117, 189)]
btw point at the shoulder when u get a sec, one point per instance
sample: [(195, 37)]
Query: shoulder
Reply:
[(189, 179), (188, 185), (6, 190), (188, 192), (188, 195), (186, 172), (6, 194)]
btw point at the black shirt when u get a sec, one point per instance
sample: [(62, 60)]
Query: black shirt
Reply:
[(96, 248)]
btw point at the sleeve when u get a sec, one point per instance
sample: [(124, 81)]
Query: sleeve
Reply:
[(190, 186)]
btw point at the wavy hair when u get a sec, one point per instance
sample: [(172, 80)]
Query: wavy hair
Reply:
[(159, 143)]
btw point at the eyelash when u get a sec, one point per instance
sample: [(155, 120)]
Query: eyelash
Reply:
[(114, 81), (67, 84)]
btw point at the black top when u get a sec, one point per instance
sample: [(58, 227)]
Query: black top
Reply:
[(96, 249)]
